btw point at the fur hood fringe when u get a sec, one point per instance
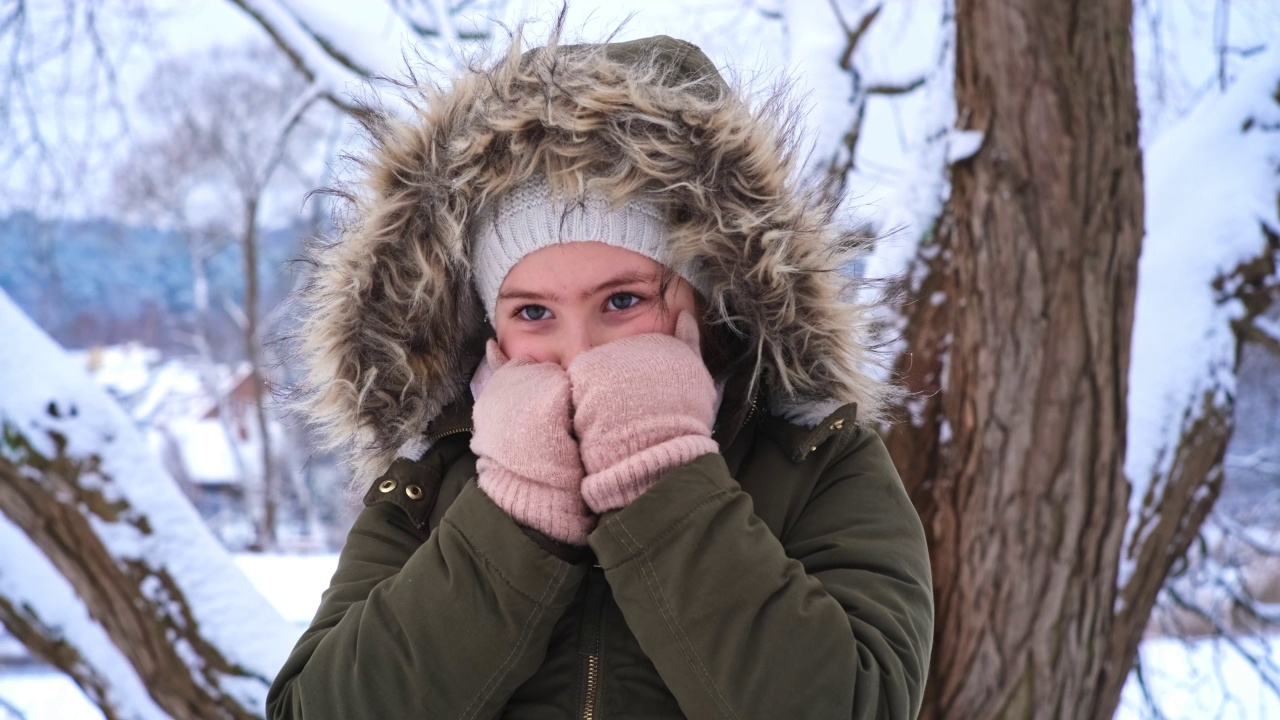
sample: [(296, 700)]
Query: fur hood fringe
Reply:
[(391, 327)]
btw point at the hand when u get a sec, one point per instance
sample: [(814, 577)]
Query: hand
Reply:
[(643, 404), (528, 461)]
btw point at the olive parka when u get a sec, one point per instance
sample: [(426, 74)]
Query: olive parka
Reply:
[(784, 577)]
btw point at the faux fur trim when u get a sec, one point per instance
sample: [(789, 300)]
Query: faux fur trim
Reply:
[(392, 326)]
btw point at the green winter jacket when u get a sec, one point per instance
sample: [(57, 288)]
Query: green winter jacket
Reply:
[(785, 577)]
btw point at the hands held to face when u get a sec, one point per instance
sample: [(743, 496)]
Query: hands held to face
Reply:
[(639, 406)]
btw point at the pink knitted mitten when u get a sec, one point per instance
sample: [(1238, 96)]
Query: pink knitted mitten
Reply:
[(527, 459), (643, 404)]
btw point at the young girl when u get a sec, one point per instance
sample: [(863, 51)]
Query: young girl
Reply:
[(587, 341)]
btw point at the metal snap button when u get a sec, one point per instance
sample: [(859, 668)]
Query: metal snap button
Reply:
[(413, 491), (387, 486)]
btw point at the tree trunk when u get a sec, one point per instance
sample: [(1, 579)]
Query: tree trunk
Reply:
[(80, 483), (150, 637), (257, 378), (1018, 352)]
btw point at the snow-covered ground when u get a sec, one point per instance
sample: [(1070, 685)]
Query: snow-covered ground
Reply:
[(1188, 680)]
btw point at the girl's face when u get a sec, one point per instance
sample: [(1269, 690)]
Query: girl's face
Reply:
[(569, 297)]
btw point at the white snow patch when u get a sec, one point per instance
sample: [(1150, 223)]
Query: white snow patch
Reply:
[(963, 144), (44, 694), (1269, 327), (944, 431), (123, 369), (205, 450), (1192, 680), (292, 583)]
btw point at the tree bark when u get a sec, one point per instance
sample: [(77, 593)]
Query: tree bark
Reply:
[(146, 584), (1017, 352), (55, 501)]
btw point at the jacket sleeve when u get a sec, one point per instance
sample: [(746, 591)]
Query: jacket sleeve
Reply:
[(449, 627), (834, 621)]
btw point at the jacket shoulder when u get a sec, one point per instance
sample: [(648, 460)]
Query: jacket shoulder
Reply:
[(798, 442), (417, 486)]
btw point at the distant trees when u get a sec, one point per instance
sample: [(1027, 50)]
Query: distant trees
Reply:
[(230, 134)]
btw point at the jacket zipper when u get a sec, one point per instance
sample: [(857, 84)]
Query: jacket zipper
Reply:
[(589, 645), (433, 439), (593, 682)]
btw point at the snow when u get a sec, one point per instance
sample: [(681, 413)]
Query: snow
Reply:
[(1201, 679), (964, 144), (1183, 348), (229, 612), (1176, 55), (205, 451), (328, 73), (1269, 327), (376, 38), (40, 694), (27, 578), (122, 369), (292, 583)]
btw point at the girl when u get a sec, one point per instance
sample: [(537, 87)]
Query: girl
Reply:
[(586, 342)]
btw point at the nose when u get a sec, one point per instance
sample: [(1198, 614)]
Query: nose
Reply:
[(578, 339)]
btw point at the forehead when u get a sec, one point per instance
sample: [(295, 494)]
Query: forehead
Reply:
[(577, 265)]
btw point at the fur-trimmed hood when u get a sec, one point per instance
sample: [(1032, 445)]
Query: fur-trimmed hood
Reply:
[(392, 327)]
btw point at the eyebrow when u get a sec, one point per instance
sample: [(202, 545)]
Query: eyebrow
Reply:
[(627, 278)]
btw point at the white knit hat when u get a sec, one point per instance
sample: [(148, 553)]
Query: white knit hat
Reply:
[(528, 218)]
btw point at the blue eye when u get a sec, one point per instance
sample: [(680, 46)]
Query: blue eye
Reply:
[(533, 312), (622, 301)]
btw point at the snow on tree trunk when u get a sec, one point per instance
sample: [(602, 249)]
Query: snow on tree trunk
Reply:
[(1018, 351), (79, 481), (40, 609), (1208, 273)]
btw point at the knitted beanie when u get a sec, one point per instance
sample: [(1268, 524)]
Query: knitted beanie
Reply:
[(528, 218)]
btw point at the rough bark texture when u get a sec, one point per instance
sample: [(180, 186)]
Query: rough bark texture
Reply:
[(1018, 350), (53, 501)]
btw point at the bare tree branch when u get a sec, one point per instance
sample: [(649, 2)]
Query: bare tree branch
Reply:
[(305, 49), (853, 36)]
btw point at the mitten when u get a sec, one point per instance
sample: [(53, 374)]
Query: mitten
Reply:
[(643, 404), (527, 459)]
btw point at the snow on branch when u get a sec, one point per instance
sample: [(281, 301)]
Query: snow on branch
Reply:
[(77, 478), (41, 609), (1266, 332), (345, 49), (339, 49), (1211, 219)]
